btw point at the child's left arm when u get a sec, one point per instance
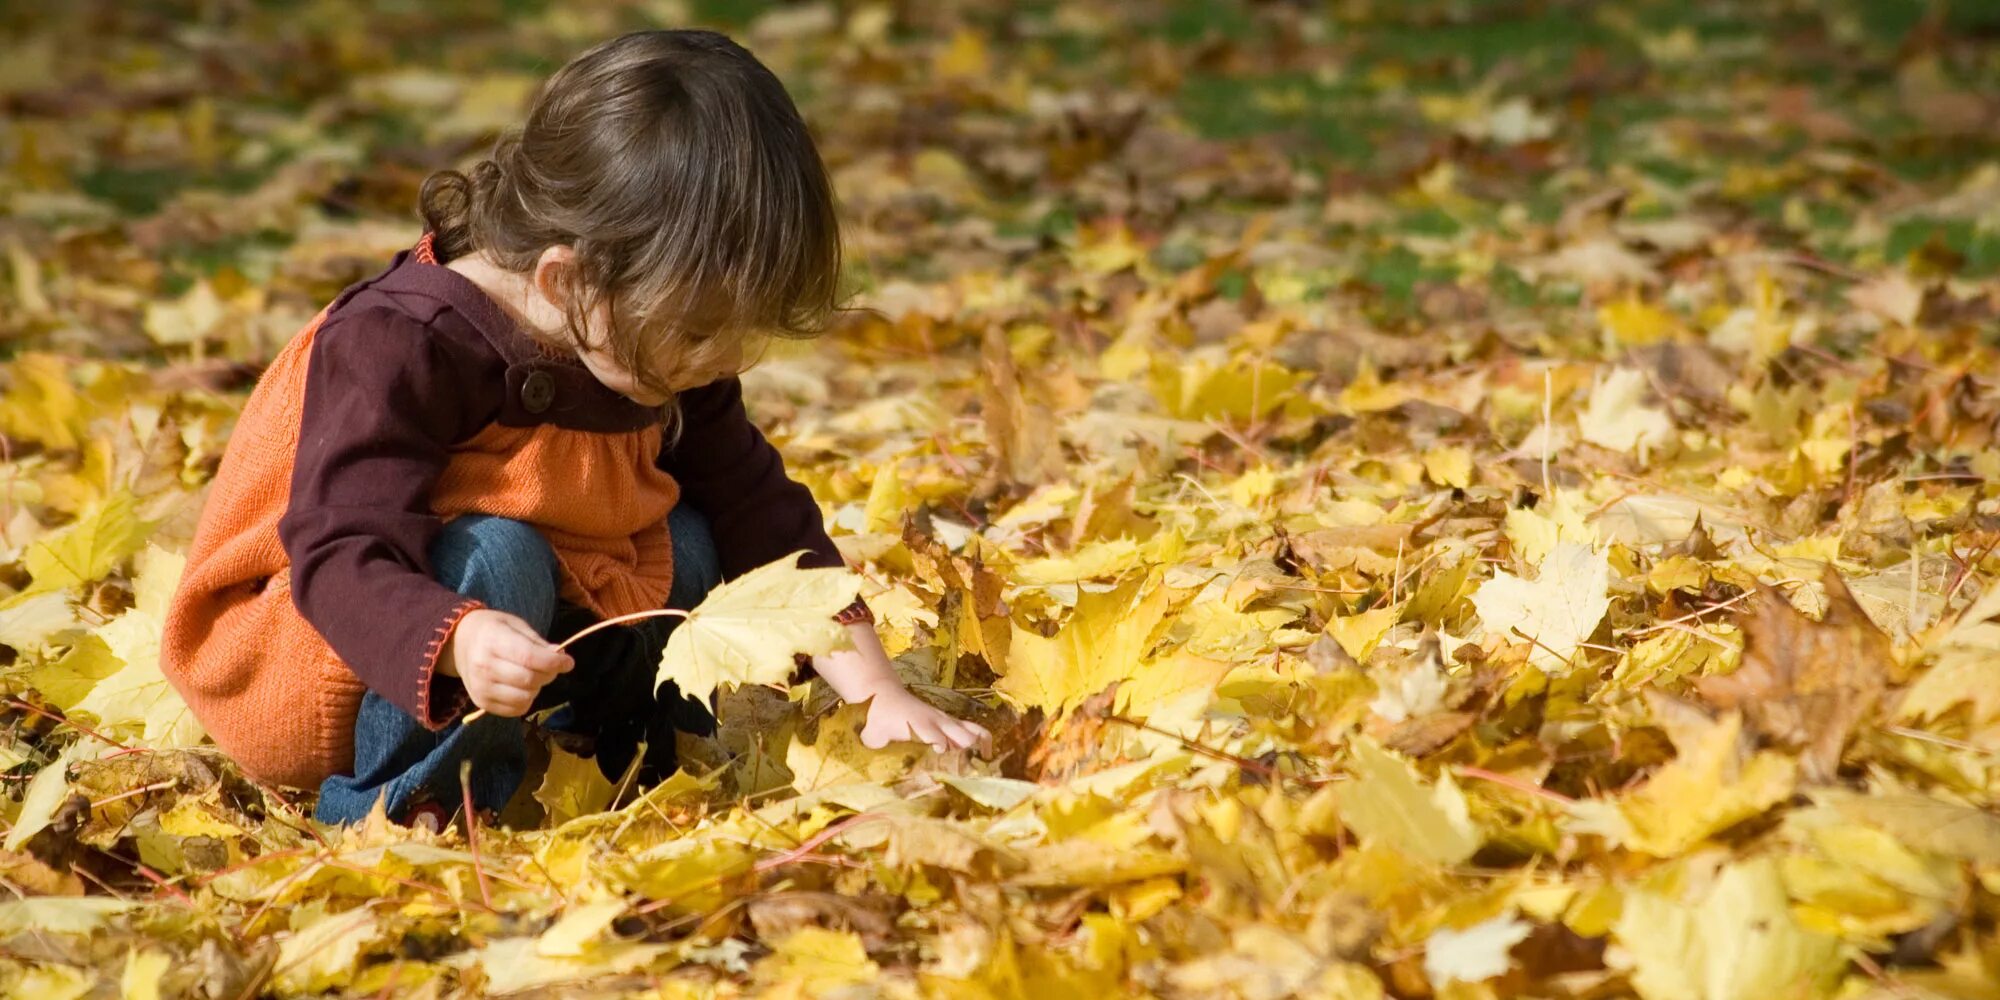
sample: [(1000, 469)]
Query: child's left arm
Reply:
[(729, 472), (864, 673)]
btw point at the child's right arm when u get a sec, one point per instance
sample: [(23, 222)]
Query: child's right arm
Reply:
[(385, 398)]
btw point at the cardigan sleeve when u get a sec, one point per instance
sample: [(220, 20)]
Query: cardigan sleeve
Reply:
[(385, 398), (730, 473)]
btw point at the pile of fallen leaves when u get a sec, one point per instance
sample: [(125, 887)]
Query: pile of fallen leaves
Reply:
[(1433, 499)]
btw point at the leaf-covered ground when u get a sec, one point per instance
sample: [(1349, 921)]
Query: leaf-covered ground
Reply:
[(1434, 498)]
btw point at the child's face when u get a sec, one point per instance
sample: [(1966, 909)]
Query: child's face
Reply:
[(682, 375)]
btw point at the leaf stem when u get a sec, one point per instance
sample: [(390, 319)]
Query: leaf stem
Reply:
[(620, 620), (1214, 753), (606, 623), (62, 720), (1508, 781), (472, 832)]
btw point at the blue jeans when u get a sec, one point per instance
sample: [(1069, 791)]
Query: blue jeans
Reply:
[(608, 697)]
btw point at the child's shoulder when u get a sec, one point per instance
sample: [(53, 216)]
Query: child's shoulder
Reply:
[(412, 297), (420, 329), (398, 335)]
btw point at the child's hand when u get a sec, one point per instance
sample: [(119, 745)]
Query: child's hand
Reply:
[(503, 661), (896, 714), (864, 673)]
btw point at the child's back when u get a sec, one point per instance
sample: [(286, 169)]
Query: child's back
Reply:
[(233, 609)]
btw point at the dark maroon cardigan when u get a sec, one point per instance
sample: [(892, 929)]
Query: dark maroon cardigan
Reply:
[(417, 359)]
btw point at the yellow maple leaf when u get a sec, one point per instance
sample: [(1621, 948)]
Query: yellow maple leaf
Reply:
[(43, 404), (827, 959), (1171, 689), (486, 104), (991, 791), (886, 503), (1104, 641), (59, 914), (1635, 323), (325, 949), (513, 965), (1232, 390), (138, 696), (837, 757), (1860, 883), (45, 795), (55, 982), (1474, 954), (87, 549), (1558, 519), (1449, 466), (1703, 791), (1737, 940), (1966, 671), (143, 969), (1367, 393), (1557, 611), (691, 871), (1391, 805), (965, 58), (1212, 628), (187, 320), (572, 936), (1092, 561), (1104, 250), (1921, 822), (191, 818), (1618, 418), (66, 680), (573, 786), (1360, 634), (748, 629)]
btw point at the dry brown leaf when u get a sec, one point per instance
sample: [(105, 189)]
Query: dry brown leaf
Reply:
[(1806, 684)]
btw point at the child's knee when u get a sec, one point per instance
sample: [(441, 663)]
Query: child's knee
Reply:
[(695, 558), (506, 564)]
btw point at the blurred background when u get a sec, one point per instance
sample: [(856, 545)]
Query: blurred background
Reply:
[(1329, 325), (258, 156)]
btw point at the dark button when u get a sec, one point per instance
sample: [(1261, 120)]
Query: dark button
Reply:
[(538, 391)]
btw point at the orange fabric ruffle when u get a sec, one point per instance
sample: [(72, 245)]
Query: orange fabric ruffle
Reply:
[(597, 498)]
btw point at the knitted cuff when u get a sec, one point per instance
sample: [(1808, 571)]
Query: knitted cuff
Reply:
[(435, 716), (856, 612)]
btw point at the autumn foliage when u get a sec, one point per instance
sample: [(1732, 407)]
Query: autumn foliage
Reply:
[(1433, 499)]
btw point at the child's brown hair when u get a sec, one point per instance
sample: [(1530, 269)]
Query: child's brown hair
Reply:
[(680, 173)]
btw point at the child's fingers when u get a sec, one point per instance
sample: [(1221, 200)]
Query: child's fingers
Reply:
[(985, 737), (933, 734), (546, 655), (532, 653), (967, 734), (961, 734), (506, 699), (514, 675)]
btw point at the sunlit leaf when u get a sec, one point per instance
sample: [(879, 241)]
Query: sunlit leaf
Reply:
[(87, 550), (1557, 611), (747, 630), (1389, 805)]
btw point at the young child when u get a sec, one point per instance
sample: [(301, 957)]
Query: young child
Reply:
[(528, 423)]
